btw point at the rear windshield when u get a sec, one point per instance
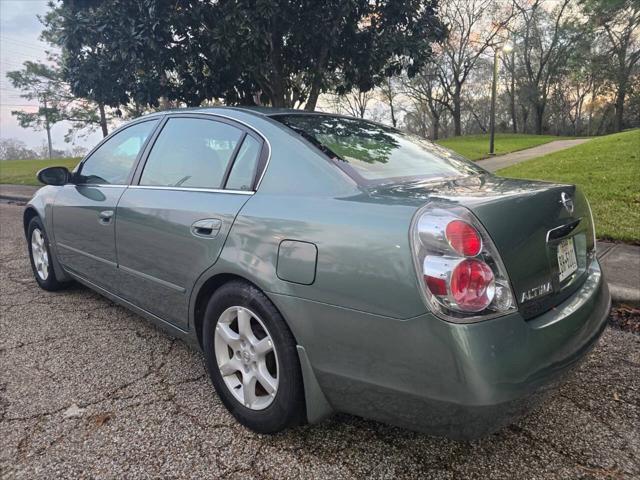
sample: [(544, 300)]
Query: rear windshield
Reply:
[(374, 154)]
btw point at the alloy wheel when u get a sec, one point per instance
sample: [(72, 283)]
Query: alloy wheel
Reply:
[(39, 254), (246, 357)]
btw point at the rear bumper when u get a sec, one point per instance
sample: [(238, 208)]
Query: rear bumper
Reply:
[(509, 364), (460, 381)]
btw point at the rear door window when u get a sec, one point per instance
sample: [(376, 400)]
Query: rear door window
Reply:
[(191, 152)]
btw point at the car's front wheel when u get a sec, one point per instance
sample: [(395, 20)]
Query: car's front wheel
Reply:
[(252, 359), (40, 256)]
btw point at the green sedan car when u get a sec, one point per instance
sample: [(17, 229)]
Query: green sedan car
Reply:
[(330, 264)]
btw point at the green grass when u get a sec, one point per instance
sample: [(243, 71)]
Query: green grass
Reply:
[(23, 172), (475, 147), (608, 169)]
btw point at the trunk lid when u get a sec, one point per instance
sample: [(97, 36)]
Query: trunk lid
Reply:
[(529, 222)]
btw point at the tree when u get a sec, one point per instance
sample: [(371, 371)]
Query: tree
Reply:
[(42, 83), (45, 84), (429, 99), (290, 52), (13, 149), (509, 63), (619, 21), (282, 53), (113, 51), (353, 103), (473, 27), (389, 92), (546, 40)]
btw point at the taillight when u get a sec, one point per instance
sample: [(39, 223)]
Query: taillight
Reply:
[(461, 274), (463, 238), (472, 285)]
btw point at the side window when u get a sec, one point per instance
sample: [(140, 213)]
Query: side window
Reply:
[(244, 168), (191, 152), (111, 163)]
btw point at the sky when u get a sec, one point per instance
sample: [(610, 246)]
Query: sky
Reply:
[(19, 32)]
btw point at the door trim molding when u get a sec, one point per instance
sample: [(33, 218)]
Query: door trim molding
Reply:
[(126, 303), (89, 255), (191, 189), (159, 281)]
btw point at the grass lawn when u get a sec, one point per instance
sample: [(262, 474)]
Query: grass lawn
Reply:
[(608, 169), (23, 172), (475, 147)]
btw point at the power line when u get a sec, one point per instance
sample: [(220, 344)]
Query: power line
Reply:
[(28, 45)]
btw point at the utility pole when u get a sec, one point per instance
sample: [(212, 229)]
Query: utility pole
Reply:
[(507, 47), (47, 126)]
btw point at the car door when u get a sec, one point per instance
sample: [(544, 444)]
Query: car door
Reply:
[(172, 225), (84, 211)]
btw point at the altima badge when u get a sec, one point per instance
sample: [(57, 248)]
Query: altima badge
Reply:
[(566, 201), (536, 292)]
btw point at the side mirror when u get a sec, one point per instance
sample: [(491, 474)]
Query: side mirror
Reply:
[(54, 176)]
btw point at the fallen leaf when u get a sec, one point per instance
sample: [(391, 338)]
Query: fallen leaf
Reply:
[(626, 318), (73, 411), (101, 419)]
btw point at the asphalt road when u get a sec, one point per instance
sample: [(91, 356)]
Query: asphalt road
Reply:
[(89, 390)]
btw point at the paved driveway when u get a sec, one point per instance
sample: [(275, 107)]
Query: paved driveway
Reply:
[(89, 390)]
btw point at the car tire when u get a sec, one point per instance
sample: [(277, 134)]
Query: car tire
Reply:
[(40, 257), (263, 412)]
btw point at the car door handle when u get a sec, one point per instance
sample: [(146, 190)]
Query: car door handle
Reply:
[(207, 227), (106, 216)]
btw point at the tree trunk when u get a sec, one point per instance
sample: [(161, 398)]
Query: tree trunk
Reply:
[(603, 120), (514, 113), (457, 122), (512, 97), (312, 101), (436, 127), (492, 118), (277, 99), (47, 127), (539, 111), (525, 119), (618, 121), (394, 121), (277, 90), (103, 120)]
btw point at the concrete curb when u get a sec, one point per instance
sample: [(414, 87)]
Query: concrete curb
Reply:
[(15, 198), (626, 295), (18, 193), (621, 266)]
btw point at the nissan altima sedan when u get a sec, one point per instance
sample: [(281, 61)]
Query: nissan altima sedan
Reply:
[(330, 264)]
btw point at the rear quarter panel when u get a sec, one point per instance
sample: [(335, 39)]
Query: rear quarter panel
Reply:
[(364, 259)]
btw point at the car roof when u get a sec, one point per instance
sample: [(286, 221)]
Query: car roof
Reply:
[(254, 110)]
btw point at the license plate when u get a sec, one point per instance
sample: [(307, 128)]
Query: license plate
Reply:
[(567, 263)]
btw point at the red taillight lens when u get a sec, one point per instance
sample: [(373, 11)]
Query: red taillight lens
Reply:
[(463, 238), (437, 286), (462, 277), (472, 285)]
